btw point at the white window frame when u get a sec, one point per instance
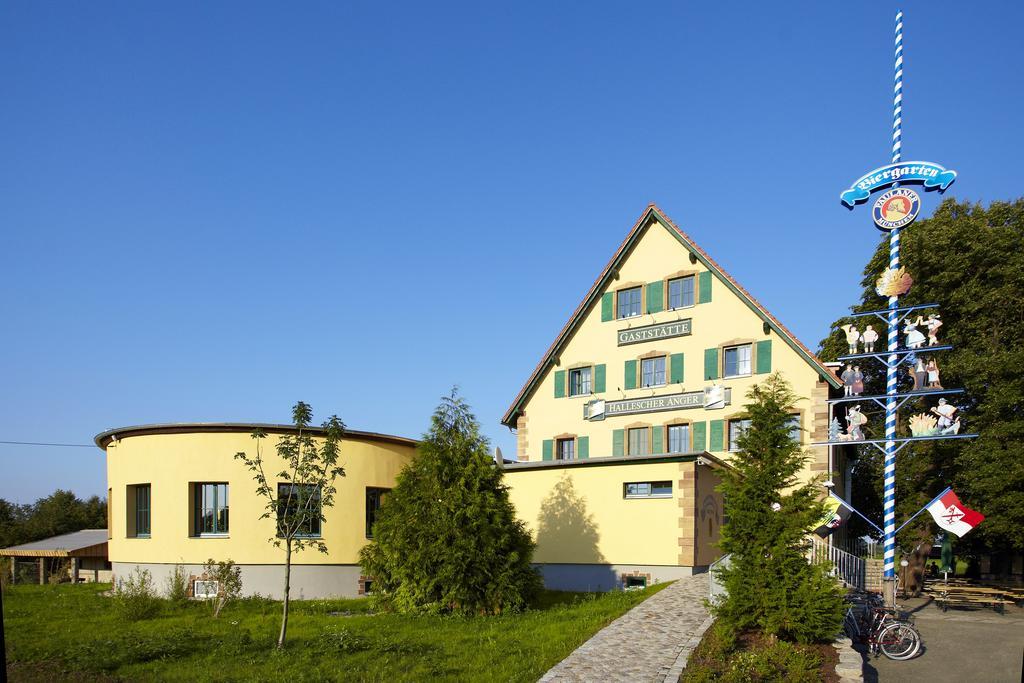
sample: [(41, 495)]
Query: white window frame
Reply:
[(639, 303), (693, 292), (654, 372), (650, 489), (729, 424), (571, 443), (686, 439), (750, 360), (586, 381)]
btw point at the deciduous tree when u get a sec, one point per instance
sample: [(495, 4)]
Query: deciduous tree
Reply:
[(969, 259), (298, 494)]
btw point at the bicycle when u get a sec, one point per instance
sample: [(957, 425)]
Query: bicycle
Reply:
[(884, 630)]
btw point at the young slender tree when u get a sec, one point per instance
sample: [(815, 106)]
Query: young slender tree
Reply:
[(297, 496), (446, 539), (771, 586)]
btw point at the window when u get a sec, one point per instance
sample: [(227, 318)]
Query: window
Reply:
[(579, 382), (374, 497), (680, 292), (737, 360), (211, 509), (566, 449), (634, 583), (205, 590), (794, 427), (679, 438), (638, 443), (298, 504), (143, 503), (652, 372), (629, 302), (736, 429), (647, 489)]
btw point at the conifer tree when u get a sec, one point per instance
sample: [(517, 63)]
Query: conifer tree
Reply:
[(446, 538), (771, 587)]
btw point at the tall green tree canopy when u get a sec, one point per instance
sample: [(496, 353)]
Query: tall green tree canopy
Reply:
[(62, 512), (770, 586), (970, 259), (446, 537)]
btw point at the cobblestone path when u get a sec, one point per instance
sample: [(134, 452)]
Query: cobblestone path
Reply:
[(649, 643)]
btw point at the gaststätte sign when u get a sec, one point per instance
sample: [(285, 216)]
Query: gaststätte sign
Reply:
[(896, 208), (931, 175), (600, 409), (635, 335)]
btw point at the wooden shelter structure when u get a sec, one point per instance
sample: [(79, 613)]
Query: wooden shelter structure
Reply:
[(84, 550)]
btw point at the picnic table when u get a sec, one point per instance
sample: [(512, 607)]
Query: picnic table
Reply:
[(962, 594)]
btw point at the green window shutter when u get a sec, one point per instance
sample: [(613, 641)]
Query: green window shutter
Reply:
[(711, 363), (655, 297), (717, 435), (599, 373), (607, 307), (618, 439), (675, 362), (699, 431), (704, 287), (657, 440), (630, 376), (559, 383), (549, 449), (583, 447), (764, 356)]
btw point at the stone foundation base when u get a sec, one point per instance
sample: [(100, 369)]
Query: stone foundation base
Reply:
[(308, 581), (605, 577)]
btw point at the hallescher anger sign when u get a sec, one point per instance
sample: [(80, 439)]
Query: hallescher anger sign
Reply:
[(635, 335), (709, 399)]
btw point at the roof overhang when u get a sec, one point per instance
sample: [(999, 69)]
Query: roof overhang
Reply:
[(652, 213), (104, 438)]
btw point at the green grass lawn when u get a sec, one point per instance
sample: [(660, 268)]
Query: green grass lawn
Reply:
[(73, 632)]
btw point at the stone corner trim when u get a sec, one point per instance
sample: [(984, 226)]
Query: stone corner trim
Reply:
[(850, 667)]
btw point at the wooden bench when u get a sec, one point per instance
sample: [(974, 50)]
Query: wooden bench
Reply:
[(965, 599)]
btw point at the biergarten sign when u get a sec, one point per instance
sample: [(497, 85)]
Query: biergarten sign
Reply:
[(600, 409), (930, 175), (636, 335)]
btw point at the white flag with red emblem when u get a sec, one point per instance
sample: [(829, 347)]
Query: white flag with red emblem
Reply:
[(952, 515)]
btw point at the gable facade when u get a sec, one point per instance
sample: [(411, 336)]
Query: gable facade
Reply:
[(621, 435)]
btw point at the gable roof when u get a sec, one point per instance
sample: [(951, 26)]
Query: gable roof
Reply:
[(652, 212)]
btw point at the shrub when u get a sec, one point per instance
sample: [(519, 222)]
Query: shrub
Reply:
[(177, 585), (780, 661), (135, 598), (447, 538), (771, 587), (229, 582), (5, 571)]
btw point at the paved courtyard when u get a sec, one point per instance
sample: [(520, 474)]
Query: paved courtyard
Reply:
[(645, 644), (959, 645)]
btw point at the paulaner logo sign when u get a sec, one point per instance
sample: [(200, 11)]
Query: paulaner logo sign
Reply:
[(931, 175), (635, 335), (896, 208)]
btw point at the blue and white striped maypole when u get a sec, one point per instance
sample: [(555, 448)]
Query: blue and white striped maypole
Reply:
[(889, 491)]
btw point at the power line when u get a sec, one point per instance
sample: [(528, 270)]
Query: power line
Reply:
[(39, 443)]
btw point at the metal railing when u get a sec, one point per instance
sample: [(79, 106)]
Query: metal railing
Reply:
[(849, 568)]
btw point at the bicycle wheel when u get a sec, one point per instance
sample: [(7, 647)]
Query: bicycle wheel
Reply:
[(899, 641)]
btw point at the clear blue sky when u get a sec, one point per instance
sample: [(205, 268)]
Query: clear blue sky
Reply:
[(211, 210)]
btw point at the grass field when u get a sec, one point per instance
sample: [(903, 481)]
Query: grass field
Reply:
[(72, 632)]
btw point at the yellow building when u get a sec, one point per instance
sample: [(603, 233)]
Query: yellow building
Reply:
[(623, 426), (178, 496)]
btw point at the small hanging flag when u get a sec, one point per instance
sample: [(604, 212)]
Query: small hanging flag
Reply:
[(952, 515), (836, 514)]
